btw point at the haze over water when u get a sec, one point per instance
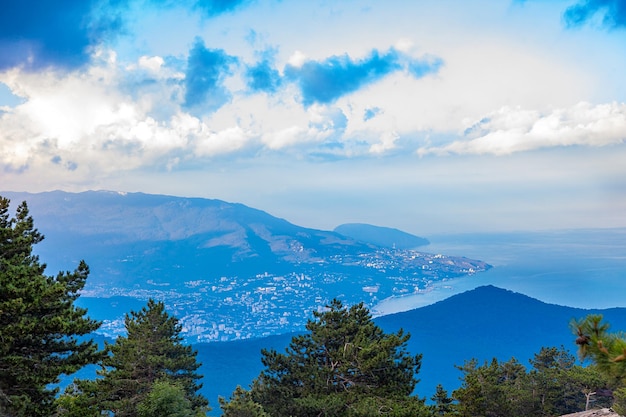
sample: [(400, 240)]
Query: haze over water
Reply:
[(577, 268)]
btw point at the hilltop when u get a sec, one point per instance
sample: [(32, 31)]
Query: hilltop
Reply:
[(484, 323)]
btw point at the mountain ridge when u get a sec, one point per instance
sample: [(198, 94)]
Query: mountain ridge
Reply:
[(381, 236), (119, 218)]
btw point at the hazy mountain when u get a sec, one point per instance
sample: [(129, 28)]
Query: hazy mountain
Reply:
[(194, 233), (120, 218), (227, 270), (483, 323), (381, 236)]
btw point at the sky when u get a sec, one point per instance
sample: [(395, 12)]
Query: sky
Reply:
[(437, 116)]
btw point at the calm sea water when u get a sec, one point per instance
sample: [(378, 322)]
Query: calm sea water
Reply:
[(577, 268)]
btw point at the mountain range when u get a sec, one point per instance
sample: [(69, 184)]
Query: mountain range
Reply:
[(228, 271)]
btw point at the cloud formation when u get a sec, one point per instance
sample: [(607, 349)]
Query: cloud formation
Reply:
[(263, 77), (162, 112), (611, 12), (213, 8), (510, 130), (36, 34), (206, 70), (325, 81)]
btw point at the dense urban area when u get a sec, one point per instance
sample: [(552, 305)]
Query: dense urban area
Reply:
[(240, 307)]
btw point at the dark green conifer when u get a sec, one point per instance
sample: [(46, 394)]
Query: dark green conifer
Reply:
[(39, 324), (493, 389), (442, 403), (554, 386), (241, 404), (344, 366), (167, 399), (152, 351), (607, 350)]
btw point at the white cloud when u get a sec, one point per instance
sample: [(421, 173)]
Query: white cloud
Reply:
[(510, 130), (387, 142), (225, 141), (285, 137), (153, 63), (297, 59), (405, 45), (86, 116)]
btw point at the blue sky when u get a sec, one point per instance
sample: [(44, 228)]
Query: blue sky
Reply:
[(430, 116)]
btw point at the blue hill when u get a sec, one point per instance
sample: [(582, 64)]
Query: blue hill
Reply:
[(483, 323)]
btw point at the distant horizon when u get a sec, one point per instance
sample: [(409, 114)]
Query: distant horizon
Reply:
[(418, 234)]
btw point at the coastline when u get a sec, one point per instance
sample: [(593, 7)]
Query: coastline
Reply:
[(574, 268), (434, 293)]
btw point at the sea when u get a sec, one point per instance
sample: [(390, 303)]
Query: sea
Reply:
[(576, 268)]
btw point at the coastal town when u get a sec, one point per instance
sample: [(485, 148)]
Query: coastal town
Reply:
[(240, 307)]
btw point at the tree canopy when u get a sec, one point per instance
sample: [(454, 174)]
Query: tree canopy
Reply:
[(40, 327), (345, 365), (553, 386), (149, 362), (607, 351)]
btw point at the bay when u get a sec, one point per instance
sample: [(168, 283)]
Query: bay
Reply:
[(578, 268)]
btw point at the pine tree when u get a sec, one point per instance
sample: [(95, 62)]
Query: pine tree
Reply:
[(40, 327), (241, 405), (561, 387), (167, 399), (152, 352), (443, 404), (344, 366), (607, 350), (493, 389), (554, 386)]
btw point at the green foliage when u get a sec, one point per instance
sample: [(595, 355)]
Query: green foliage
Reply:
[(241, 404), (75, 403), (561, 386), (40, 327), (493, 389), (149, 357), (344, 366), (619, 404), (167, 400), (443, 405), (606, 350), (553, 386), (592, 383)]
